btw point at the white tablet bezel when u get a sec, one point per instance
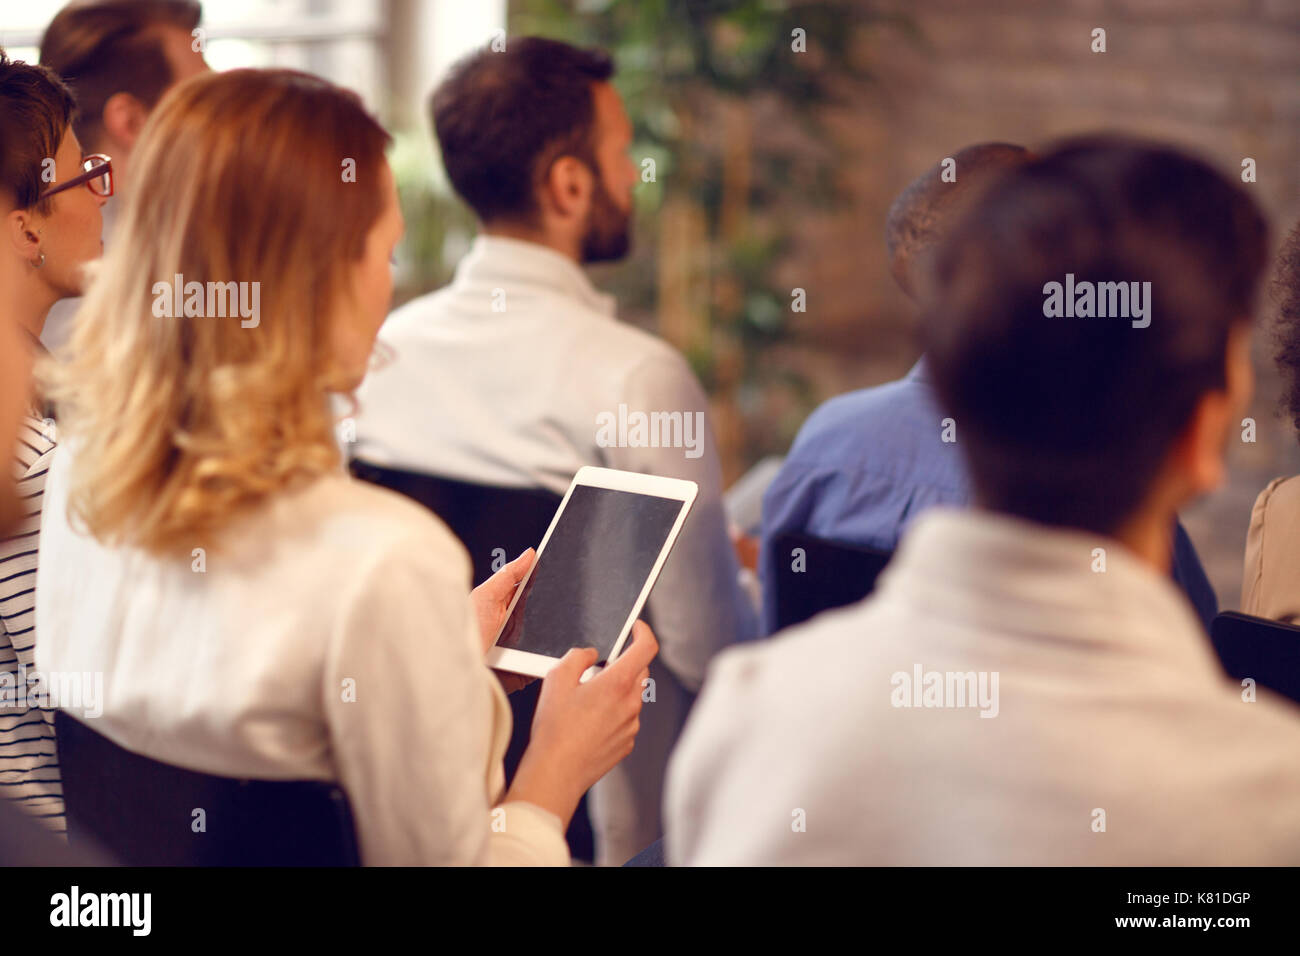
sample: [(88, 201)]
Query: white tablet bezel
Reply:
[(539, 665)]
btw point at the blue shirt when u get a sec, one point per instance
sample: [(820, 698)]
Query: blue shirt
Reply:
[(866, 463)]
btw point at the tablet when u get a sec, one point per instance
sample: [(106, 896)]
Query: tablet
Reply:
[(594, 569)]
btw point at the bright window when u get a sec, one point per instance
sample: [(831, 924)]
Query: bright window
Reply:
[(342, 40)]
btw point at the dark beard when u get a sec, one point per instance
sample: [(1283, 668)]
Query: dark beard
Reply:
[(608, 235)]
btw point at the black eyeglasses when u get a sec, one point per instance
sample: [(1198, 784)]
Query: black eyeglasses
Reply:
[(98, 177)]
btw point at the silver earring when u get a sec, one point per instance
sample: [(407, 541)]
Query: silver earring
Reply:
[(41, 261)]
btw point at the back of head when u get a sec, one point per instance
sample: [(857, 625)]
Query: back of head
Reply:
[(1066, 419), (503, 117), (35, 110), (924, 212), (182, 416), (103, 47)]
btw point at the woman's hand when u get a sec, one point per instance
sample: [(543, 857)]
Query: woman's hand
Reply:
[(492, 598), (581, 730)]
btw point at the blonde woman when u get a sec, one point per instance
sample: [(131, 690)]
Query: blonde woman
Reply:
[(254, 611)]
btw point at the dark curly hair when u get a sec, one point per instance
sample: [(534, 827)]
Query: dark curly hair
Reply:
[(928, 208), (1285, 292)]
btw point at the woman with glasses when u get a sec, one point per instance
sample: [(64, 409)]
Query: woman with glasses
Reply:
[(52, 194), (254, 611), (50, 199)]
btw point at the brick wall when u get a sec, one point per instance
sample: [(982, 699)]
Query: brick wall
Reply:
[(1221, 77)]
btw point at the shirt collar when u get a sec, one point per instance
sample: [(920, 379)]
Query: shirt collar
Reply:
[(501, 260), (1019, 578), (920, 372)]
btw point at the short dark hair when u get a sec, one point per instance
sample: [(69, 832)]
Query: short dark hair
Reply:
[(1067, 421), (503, 118), (35, 110), (105, 47), (927, 208)]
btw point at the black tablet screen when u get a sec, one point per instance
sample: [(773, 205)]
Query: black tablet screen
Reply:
[(591, 572)]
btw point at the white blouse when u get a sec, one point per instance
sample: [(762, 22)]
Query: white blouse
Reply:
[(328, 637)]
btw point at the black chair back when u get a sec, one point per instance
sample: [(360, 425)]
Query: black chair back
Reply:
[(496, 525), (1255, 647), (25, 841), (826, 575), (143, 812)]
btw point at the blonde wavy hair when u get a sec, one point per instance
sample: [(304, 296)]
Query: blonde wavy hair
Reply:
[(181, 424)]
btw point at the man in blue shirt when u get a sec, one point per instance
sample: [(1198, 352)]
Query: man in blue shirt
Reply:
[(866, 463)]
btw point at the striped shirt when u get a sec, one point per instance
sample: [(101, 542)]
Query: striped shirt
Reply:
[(29, 769)]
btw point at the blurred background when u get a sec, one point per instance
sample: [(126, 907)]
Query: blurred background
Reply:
[(774, 165)]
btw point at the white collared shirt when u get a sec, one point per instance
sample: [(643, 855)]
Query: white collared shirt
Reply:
[(502, 378), (1115, 737), (330, 637), (499, 379)]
